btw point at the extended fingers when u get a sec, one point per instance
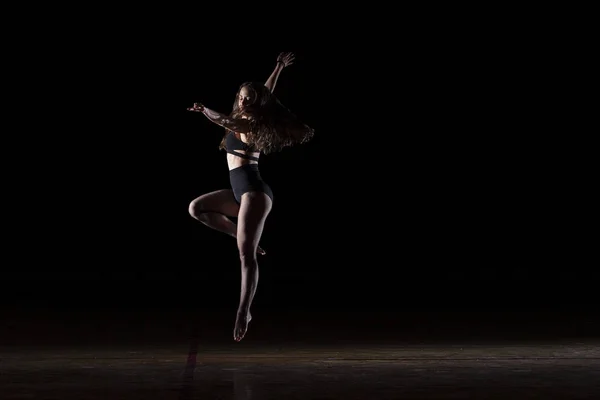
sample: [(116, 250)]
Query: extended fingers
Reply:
[(197, 107)]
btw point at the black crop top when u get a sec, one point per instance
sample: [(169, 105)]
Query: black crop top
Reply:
[(232, 143)]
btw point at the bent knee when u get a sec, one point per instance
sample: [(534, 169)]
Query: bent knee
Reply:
[(196, 210)]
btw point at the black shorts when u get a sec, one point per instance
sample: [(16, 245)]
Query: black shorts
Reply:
[(247, 179)]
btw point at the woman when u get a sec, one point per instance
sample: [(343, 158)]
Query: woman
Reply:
[(259, 123)]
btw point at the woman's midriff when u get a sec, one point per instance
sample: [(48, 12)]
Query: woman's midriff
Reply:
[(236, 162)]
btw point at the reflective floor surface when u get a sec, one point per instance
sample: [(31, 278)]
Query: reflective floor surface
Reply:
[(237, 371)]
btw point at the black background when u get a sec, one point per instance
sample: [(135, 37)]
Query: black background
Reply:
[(439, 175)]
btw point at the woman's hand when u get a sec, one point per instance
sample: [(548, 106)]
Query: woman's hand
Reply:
[(286, 59), (197, 108)]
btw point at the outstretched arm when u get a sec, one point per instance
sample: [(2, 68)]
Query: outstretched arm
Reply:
[(234, 124), (283, 60)]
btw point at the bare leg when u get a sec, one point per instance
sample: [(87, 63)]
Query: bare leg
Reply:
[(253, 213), (214, 209)]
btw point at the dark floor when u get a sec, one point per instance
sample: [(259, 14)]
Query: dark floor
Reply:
[(163, 354), (561, 370)]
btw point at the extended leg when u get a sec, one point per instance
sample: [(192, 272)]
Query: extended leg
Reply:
[(254, 210)]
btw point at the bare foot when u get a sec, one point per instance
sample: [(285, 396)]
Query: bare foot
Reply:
[(241, 326), (260, 251)]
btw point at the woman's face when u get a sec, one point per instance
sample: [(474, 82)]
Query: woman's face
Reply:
[(246, 97)]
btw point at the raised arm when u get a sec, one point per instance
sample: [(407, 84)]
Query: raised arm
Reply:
[(283, 60), (235, 124)]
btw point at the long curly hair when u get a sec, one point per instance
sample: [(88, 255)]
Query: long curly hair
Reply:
[(272, 125)]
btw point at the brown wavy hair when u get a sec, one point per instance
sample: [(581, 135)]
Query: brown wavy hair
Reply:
[(272, 125)]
